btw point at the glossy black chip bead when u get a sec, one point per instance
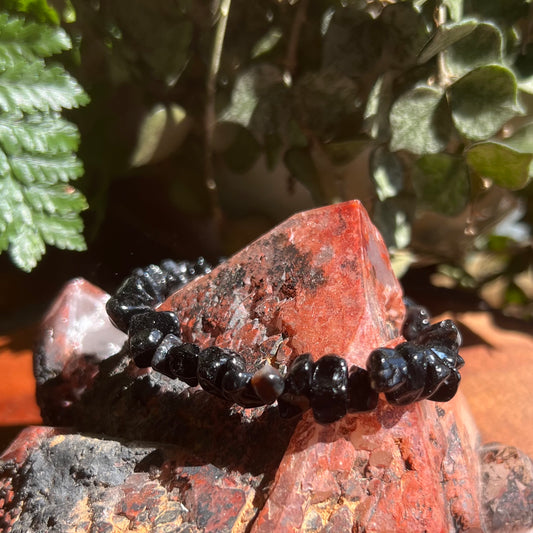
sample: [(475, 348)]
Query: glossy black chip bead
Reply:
[(182, 363), (268, 384), (237, 388), (387, 369), (361, 396), (146, 331), (164, 354), (448, 389), (416, 320), (295, 397), (411, 389), (329, 389), (213, 363), (443, 333), (147, 287)]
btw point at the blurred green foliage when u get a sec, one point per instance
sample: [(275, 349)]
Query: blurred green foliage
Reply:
[(420, 108)]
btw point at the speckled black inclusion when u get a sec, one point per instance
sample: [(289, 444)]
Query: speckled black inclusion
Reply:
[(426, 366)]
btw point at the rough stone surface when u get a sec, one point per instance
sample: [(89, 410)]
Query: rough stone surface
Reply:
[(320, 283)]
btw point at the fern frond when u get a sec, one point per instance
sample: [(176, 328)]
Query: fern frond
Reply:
[(37, 146), (26, 41), (47, 169), (31, 87), (43, 134), (60, 199)]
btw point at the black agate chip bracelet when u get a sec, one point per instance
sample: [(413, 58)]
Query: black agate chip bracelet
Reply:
[(426, 366)]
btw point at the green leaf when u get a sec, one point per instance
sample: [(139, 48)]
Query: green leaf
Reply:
[(60, 199), (243, 99), (522, 139), (405, 34), (482, 46), (378, 107), (39, 9), (441, 183), (267, 42), (162, 131), (455, 9), (28, 40), (243, 151), (523, 68), (506, 167), (271, 122), (301, 166), (386, 171), (49, 169), (445, 36), (327, 103), (37, 133), (64, 232), (156, 35), (353, 43), (37, 146), (393, 219), (505, 13), (31, 87), (26, 247), (342, 152), (419, 121), (483, 101)]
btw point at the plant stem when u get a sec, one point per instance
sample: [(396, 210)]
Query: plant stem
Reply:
[(210, 111), (292, 47)]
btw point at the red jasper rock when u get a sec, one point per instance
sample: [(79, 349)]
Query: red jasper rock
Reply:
[(320, 282)]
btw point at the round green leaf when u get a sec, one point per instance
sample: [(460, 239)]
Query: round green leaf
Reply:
[(482, 46), (353, 42), (445, 36), (301, 166), (342, 152), (162, 131), (393, 219), (442, 184), (419, 121), (243, 152), (483, 101), (455, 8), (522, 139), (506, 167), (386, 171), (405, 33)]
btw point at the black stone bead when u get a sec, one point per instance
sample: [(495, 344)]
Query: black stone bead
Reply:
[(361, 396), (295, 398), (182, 362), (411, 390), (153, 280), (268, 384), (437, 372), (163, 355), (416, 320), (143, 345), (213, 363), (247, 397), (233, 383), (444, 333), (299, 375), (121, 313), (447, 389), (328, 393), (387, 369), (447, 356), (165, 321)]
